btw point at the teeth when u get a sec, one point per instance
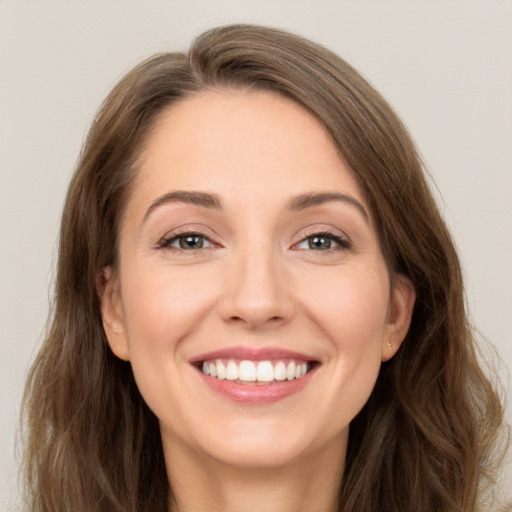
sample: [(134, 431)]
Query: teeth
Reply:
[(247, 371), (290, 371), (221, 370), (250, 371), (280, 371), (265, 372), (232, 371)]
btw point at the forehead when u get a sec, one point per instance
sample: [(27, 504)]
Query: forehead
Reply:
[(248, 144)]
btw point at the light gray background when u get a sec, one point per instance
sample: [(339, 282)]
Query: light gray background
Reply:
[(446, 67)]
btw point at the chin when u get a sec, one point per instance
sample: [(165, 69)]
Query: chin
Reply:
[(271, 442)]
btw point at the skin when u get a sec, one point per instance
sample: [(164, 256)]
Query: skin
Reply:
[(256, 283)]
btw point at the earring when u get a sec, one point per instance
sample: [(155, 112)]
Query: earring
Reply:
[(389, 345)]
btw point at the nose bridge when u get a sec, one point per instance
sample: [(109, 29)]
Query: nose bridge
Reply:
[(255, 291)]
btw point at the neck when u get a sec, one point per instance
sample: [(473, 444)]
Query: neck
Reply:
[(308, 485)]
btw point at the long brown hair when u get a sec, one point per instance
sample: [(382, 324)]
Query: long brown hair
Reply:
[(424, 441)]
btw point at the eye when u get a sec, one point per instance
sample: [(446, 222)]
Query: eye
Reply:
[(186, 242), (323, 242)]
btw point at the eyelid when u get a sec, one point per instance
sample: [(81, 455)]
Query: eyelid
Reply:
[(341, 239), (168, 243), (165, 241)]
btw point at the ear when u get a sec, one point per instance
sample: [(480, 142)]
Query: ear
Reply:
[(112, 313), (400, 313)]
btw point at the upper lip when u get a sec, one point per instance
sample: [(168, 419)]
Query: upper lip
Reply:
[(252, 354)]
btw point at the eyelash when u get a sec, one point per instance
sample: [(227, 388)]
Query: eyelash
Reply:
[(343, 243), (165, 243)]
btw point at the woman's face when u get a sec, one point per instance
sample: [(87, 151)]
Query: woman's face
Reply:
[(248, 249)]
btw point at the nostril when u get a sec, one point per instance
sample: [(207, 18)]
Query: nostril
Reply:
[(255, 307), (257, 321)]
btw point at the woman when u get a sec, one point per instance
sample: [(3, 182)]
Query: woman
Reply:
[(258, 305)]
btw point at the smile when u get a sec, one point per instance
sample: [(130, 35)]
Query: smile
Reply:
[(255, 376), (255, 372)]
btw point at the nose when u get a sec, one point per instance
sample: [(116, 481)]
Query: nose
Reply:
[(256, 293)]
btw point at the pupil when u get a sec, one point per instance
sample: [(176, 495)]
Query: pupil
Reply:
[(191, 242), (319, 242)]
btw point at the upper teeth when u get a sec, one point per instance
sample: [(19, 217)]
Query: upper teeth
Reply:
[(259, 371)]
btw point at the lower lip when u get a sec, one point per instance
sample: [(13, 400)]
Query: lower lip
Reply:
[(256, 394)]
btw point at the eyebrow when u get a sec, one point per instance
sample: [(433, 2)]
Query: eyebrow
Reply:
[(311, 199), (297, 203), (204, 199)]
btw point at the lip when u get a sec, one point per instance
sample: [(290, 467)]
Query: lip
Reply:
[(254, 394), (253, 354)]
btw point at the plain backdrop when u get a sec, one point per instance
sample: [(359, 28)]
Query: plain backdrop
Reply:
[(446, 67)]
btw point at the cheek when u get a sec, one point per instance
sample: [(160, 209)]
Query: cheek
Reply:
[(347, 310), (162, 305), (351, 306), (162, 308)]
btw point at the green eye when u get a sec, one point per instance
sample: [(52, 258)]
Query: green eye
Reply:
[(320, 243), (323, 242), (191, 242), (186, 242)]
